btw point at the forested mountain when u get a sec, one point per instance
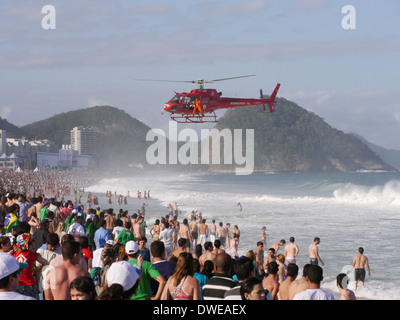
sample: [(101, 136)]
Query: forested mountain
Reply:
[(121, 139), (294, 139)]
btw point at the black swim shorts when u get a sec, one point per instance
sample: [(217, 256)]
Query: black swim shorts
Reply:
[(360, 274)]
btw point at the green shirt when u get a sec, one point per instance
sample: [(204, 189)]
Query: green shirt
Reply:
[(124, 236), (148, 272), (43, 213)]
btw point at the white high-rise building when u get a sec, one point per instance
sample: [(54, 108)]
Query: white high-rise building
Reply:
[(83, 140), (3, 142)]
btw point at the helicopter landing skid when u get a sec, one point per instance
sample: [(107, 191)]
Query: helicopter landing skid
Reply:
[(196, 118)]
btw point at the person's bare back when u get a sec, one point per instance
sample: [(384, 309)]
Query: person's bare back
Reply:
[(291, 250), (297, 286), (272, 285), (284, 289), (60, 279)]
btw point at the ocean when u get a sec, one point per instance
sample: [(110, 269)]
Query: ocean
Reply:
[(345, 210)]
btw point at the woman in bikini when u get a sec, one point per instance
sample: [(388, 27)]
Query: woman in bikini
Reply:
[(182, 285)]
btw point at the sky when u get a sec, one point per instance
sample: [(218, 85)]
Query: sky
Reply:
[(98, 48)]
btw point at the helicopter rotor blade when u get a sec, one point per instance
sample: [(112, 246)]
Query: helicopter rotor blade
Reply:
[(189, 81), (223, 79)]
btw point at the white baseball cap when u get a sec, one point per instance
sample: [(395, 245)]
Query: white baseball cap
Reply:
[(131, 247), (8, 265), (123, 273)]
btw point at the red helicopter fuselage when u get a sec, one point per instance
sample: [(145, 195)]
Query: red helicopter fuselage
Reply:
[(195, 105)]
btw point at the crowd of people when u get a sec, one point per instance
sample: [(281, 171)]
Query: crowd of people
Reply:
[(56, 249)]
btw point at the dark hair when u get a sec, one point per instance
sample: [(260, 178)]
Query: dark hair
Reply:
[(116, 292), (217, 243), (182, 242), (248, 285), (339, 280), (273, 267), (208, 268), (84, 284), (69, 248), (4, 240), (207, 245), (4, 282), (292, 270), (196, 265), (53, 239), (84, 242), (157, 248), (315, 274), (243, 268), (198, 250), (118, 223), (305, 269)]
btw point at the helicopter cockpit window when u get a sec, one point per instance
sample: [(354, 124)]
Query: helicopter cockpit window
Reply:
[(176, 99), (185, 102)]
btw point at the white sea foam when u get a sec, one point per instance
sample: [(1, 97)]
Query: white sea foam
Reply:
[(345, 210)]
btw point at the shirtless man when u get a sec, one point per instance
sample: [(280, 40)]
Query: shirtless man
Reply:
[(269, 282), (60, 278), (271, 257), (313, 252), (360, 261), (341, 282), (260, 258), (276, 245), (137, 229), (221, 234), (217, 247), (203, 232), (110, 219), (291, 251), (194, 231), (300, 284), (227, 235), (209, 254), (185, 234), (182, 248), (213, 231), (292, 272)]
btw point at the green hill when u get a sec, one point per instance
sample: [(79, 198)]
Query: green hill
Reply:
[(294, 139), (121, 139), (12, 130)]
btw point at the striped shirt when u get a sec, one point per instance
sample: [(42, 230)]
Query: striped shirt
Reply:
[(215, 287)]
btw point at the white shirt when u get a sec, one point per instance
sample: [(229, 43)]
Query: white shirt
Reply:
[(76, 230), (13, 295), (166, 237), (314, 294), (116, 231)]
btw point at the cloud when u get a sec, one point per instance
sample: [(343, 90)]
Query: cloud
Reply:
[(5, 112), (93, 102)]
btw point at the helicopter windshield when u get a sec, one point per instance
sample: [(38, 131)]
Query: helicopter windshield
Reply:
[(176, 99)]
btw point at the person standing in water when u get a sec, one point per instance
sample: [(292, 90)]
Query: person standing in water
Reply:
[(360, 261), (313, 252)]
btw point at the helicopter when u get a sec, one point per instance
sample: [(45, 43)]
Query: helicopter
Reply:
[(199, 105)]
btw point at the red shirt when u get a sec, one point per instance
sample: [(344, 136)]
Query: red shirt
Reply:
[(29, 257), (87, 254)]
